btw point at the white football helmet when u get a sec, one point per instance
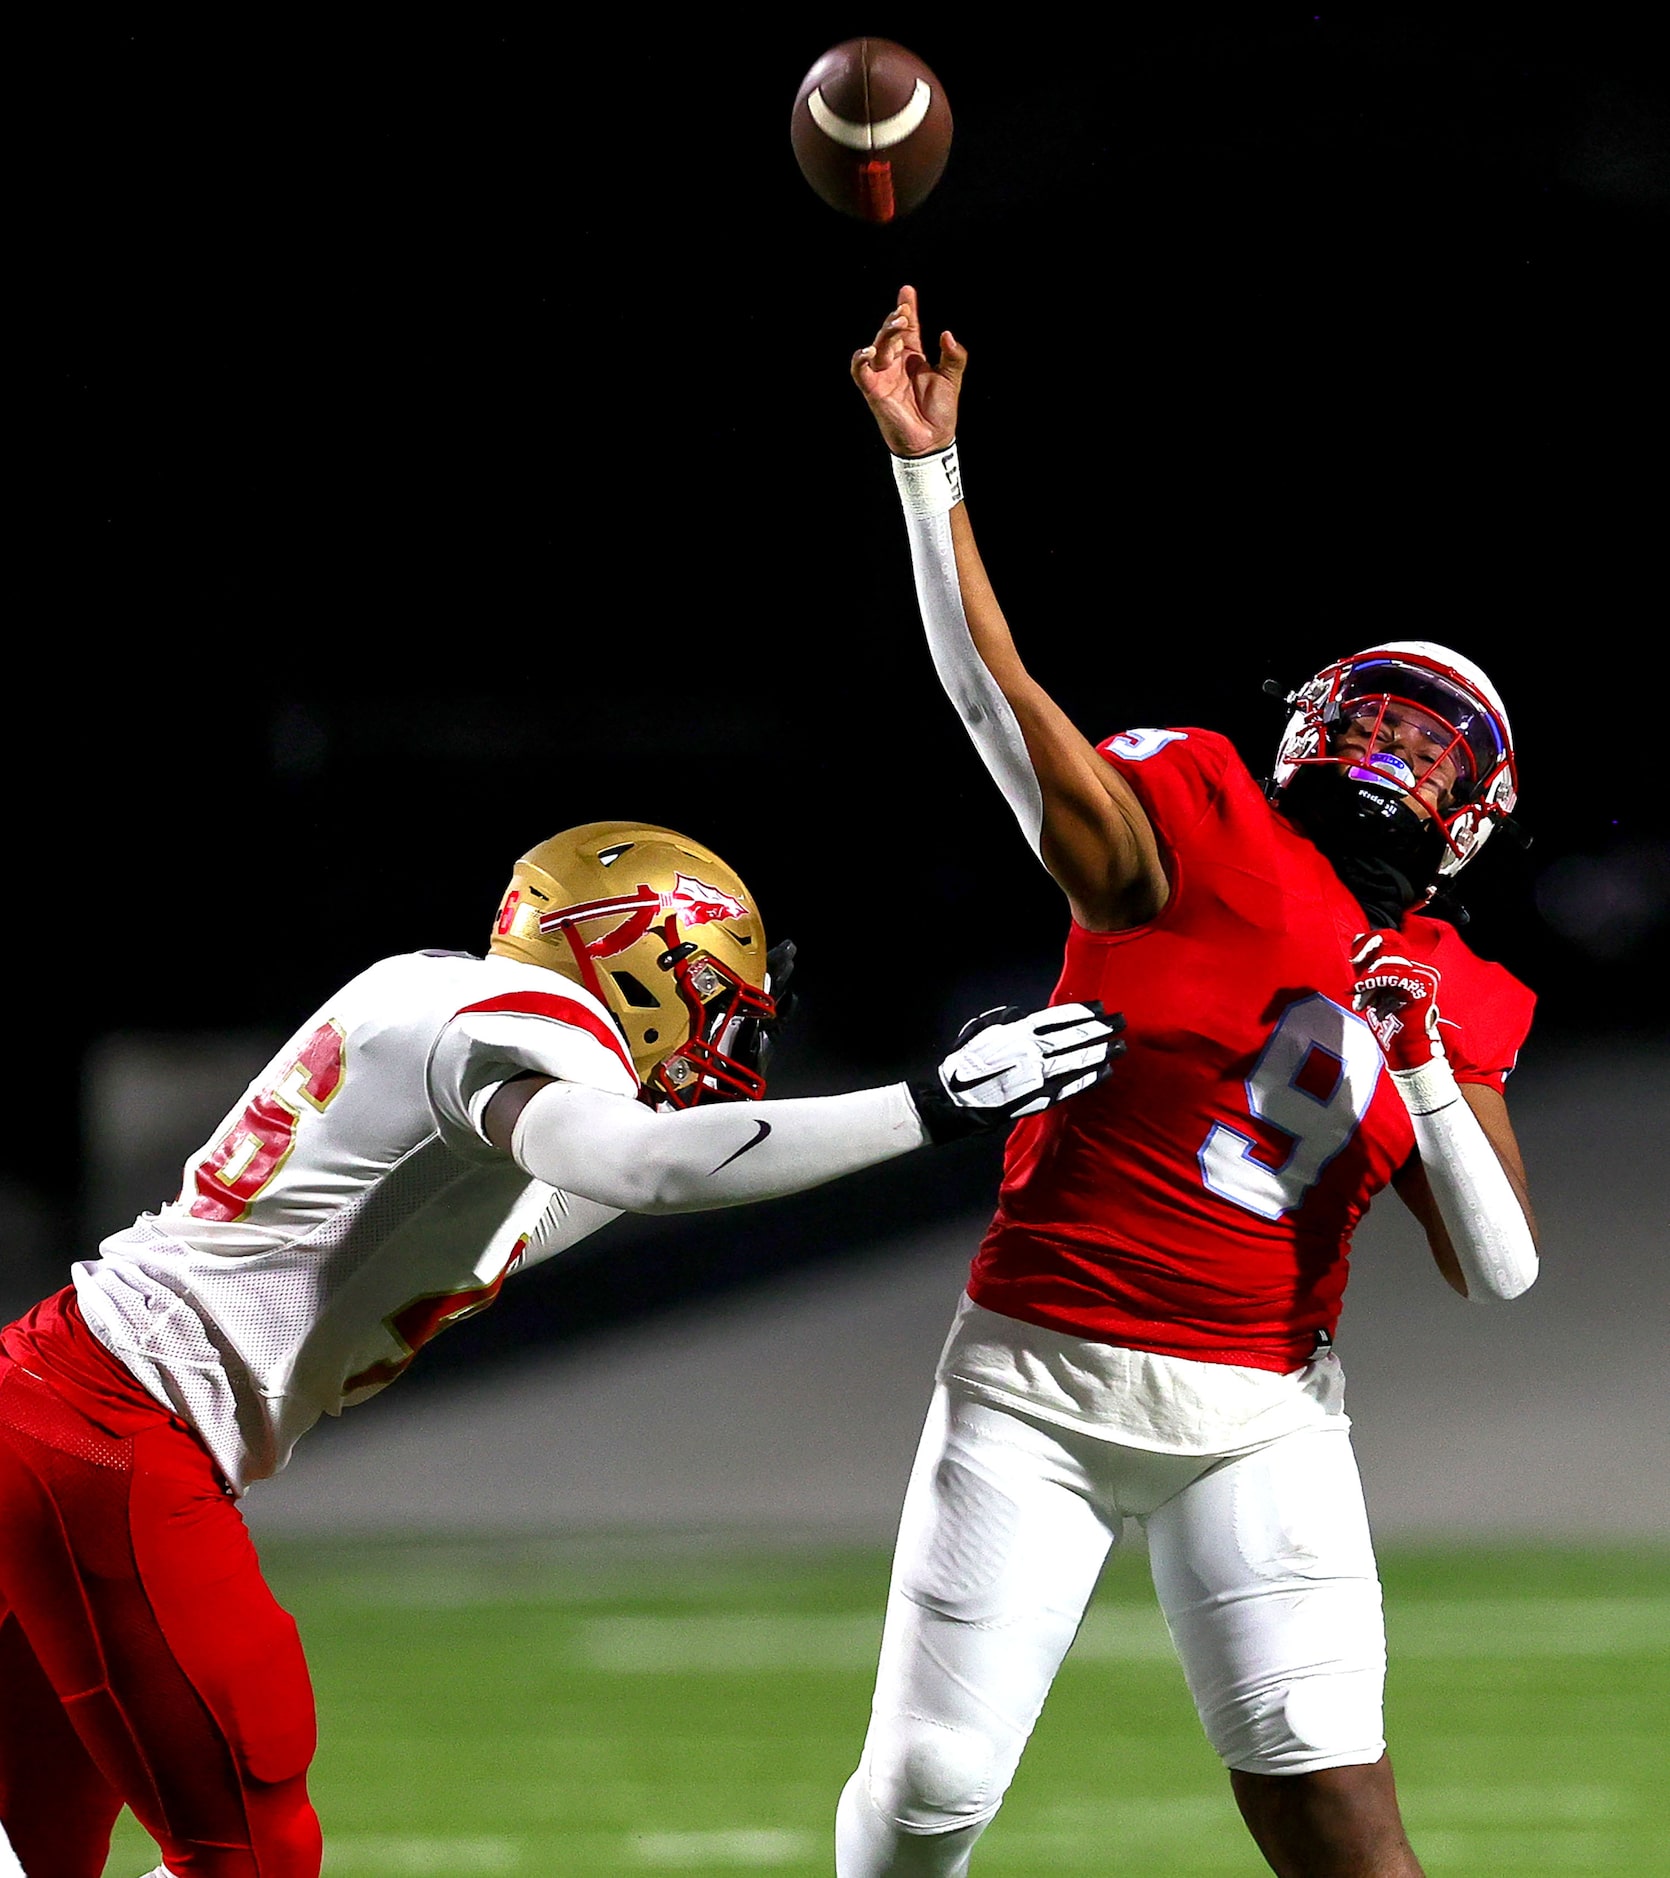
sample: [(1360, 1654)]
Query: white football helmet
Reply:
[(1461, 720)]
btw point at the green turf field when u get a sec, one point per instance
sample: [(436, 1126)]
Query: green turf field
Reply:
[(588, 1710)]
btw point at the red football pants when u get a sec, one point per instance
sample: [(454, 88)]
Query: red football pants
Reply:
[(143, 1658)]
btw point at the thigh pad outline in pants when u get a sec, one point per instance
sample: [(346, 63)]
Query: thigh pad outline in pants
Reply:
[(1000, 1545), (1266, 1574), (144, 1601)]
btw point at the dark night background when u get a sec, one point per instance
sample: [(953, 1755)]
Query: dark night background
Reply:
[(452, 441)]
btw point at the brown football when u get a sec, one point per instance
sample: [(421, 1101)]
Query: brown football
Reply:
[(871, 129)]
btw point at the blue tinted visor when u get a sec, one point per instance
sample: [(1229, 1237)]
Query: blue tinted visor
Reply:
[(1481, 749)]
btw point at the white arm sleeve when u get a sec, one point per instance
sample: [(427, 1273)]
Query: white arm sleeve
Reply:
[(971, 688), (1480, 1210), (613, 1150)]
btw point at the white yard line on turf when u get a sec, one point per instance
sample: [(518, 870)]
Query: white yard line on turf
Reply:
[(391, 1856), (1486, 1804), (746, 1848), (1499, 1628), (1507, 1627)]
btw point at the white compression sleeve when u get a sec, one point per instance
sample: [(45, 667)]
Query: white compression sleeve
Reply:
[(1480, 1210), (929, 488), (613, 1150)]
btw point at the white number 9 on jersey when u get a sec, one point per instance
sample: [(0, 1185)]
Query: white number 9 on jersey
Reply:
[(1313, 1082)]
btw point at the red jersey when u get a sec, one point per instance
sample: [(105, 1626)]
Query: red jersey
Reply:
[(1200, 1202)]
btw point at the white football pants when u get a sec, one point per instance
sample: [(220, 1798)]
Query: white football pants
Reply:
[(1263, 1568)]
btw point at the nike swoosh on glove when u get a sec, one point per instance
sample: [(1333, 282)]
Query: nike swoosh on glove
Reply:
[(1010, 1063)]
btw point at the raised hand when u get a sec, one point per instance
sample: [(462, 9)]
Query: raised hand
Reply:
[(1399, 998), (914, 403), (1010, 1063)]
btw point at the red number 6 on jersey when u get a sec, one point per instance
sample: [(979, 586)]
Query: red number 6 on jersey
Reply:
[(248, 1157)]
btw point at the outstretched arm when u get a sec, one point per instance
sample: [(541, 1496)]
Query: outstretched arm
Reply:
[(1082, 819), (613, 1150), (619, 1153)]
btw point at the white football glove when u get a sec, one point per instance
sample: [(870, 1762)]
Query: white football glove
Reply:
[(1010, 1063)]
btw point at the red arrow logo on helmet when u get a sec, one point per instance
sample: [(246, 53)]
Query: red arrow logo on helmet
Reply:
[(696, 903), (692, 902)]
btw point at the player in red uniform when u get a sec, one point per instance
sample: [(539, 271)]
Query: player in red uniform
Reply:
[(1147, 1327), (442, 1120)]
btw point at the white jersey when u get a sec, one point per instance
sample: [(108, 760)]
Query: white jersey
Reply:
[(348, 1207)]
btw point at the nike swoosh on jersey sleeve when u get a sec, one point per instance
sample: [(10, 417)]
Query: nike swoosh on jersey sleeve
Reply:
[(761, 1130)]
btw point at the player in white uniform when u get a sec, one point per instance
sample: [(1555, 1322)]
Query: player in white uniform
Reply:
[(441, 1121)]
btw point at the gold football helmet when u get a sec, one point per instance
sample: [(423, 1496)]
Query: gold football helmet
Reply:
[(666, 935)]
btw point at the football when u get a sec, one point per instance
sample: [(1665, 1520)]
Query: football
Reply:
[(871, 129)]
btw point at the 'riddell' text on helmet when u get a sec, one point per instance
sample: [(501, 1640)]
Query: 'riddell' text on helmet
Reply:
[(1426, 725), (665, 934)]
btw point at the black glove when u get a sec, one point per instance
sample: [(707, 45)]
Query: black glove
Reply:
[(779, 968), (756, 1037), (1008, 1063)]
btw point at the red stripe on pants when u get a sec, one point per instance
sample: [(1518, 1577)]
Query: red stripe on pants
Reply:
[(145, 1660)]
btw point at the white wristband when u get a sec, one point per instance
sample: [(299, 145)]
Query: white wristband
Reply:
[(1431, 1087), (929, 485)]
